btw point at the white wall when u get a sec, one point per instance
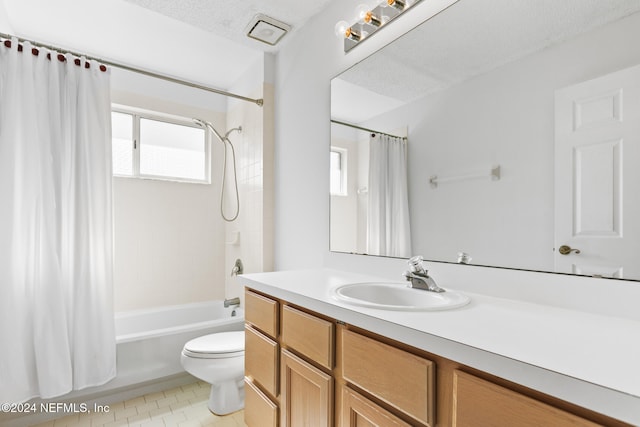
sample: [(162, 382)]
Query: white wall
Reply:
[(5, 26)]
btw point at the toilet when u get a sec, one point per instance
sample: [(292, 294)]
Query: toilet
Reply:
[(219, 360)]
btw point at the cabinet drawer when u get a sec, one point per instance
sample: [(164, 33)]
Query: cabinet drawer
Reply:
[(259, 410), (262, 313), (261, 360), (477, 402), (359, 411), (308, 335), (401, 379)]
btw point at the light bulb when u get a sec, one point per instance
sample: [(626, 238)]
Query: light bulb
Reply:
[(361, 12), (341, 29)]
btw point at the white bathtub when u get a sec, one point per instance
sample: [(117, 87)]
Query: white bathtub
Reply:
[(149, 342)]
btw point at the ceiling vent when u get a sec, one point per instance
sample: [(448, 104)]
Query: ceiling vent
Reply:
[(266, 29)]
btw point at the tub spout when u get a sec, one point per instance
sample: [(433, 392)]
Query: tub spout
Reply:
[(232, 301)]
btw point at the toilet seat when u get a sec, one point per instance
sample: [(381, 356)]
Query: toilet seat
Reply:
[(216, 346)]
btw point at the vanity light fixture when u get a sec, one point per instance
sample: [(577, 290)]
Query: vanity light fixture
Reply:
[(369, 19)]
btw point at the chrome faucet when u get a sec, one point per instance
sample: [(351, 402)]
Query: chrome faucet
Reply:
[(419, 277), (232, 301)]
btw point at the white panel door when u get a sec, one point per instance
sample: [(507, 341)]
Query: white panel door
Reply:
[(597, 176)]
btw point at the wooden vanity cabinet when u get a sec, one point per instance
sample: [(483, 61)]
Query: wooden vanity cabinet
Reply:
[(289, 358), (358, 411), (402, 380), (308, 335), (260, 410), (262, 313), (307, 393), (261, 360), (478, 403), (304, 369)]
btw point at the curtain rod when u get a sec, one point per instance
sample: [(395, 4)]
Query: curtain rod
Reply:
[(259, 102), (364, 129)]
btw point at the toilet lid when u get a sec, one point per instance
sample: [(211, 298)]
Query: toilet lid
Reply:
[(221, 344)]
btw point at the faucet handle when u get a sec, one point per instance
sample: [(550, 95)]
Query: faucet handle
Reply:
[(415, 264)]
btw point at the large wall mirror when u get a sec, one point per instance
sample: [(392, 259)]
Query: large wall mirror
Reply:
[(515, 125)]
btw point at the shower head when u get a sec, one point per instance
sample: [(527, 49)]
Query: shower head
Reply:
[(208, 125)]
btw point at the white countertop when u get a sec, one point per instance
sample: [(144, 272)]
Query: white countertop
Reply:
[(590, 360)]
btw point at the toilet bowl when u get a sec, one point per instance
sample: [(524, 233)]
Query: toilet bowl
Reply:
[(219, 360)]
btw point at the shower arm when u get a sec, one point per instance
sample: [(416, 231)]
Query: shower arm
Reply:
[(209, 126)]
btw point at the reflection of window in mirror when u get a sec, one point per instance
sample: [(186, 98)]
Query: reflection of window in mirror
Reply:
[(338, 172)]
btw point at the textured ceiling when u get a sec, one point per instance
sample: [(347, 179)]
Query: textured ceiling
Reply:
[(472, 37), (229, 19)]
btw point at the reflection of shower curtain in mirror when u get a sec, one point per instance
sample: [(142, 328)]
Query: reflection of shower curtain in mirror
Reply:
[(388, 231), (56, 302)]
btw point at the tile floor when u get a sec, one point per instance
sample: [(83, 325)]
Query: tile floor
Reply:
[(184, 406)]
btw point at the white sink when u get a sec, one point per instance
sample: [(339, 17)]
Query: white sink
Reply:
[(398, 296)]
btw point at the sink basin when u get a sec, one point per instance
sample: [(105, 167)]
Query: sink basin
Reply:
[(398, 296)]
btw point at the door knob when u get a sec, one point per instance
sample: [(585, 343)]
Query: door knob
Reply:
[(566, 250)]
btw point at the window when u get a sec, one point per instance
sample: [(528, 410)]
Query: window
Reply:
[(338, 172), (154, 146)]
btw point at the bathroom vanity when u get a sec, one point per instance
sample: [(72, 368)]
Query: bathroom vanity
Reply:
[(314, 360)]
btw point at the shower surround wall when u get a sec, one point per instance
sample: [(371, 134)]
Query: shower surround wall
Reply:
[(172, 245), (250, 237), (169, 237)]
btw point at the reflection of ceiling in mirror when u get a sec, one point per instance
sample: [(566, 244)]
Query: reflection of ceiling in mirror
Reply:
[(470, 38), (344, 110)]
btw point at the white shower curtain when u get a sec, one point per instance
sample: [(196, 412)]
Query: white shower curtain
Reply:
[(56, 302), (388, 231)]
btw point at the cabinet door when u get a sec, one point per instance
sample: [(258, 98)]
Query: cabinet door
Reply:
[(480, 403), (358, 411), (306, 393), (259, 410)]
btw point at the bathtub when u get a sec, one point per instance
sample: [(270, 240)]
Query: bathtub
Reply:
[(149, 342)]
